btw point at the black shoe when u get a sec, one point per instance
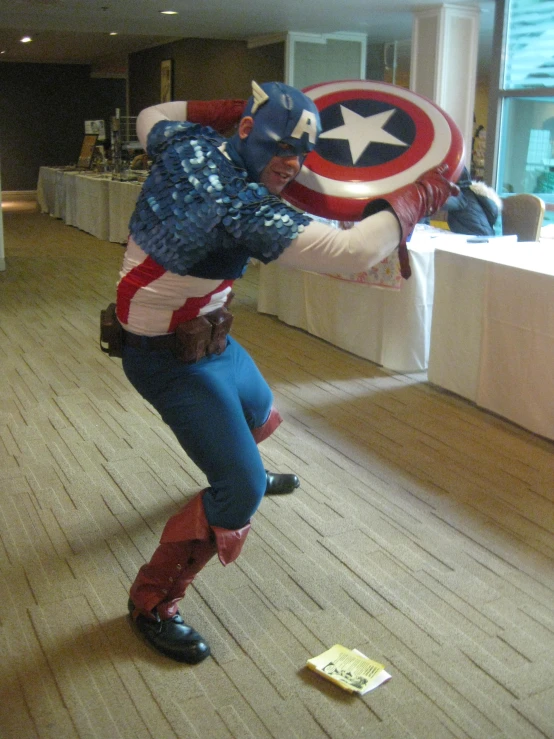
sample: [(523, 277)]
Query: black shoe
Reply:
[(172, 637), (280, 484)]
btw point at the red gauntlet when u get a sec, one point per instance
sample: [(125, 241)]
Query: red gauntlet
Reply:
[(221, 115), (413, 202)]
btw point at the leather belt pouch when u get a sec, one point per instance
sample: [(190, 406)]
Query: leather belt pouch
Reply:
[(221, 321), (111, 332), (203, 336), (192, 339)]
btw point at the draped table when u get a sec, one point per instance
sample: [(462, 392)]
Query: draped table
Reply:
[(91, 202), (51, 192), (391, 327), (87, 203), (492, 338), (123, 196)]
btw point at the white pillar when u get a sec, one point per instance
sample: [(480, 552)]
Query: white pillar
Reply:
[(444, 61), (2, 259)]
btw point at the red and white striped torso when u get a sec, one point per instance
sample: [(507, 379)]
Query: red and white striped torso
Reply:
[(152, 301)]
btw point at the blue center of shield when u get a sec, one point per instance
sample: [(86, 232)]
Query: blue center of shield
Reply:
[(369, 133)]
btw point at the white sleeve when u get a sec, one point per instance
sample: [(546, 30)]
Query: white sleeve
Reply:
[(323, 248), (175, 111)]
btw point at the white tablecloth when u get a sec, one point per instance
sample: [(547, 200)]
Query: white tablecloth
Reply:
[(389, 327), (95, 204), (87, 203), (50, 191), (69, 198), (492, 338), (123, 196)]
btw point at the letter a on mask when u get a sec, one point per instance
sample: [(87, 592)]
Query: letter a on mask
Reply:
[(306, 124)]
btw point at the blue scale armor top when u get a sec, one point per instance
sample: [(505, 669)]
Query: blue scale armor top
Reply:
[(198, 208)]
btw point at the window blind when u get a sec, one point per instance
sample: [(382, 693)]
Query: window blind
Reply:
[(529, 58)]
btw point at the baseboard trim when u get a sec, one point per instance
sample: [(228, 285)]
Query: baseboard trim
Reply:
[(9, 196)]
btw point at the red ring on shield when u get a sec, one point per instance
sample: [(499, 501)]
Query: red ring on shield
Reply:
[(334, 191), (414, 153)]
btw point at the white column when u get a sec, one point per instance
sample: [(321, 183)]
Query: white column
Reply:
[(2, 259), (444, 61)]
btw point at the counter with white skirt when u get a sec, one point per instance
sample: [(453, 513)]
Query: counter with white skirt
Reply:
[(94, 203), (389, 326), (492, 338)]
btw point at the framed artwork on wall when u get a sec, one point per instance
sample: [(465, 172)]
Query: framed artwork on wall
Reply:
[(166, 81)]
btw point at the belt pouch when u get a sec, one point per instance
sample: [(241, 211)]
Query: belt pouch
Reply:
[(111, 332), (192, 339), (221, 321)]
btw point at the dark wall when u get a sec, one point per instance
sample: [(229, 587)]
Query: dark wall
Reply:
[(43, 106), (42, 112), (204, 69), (375, 66)]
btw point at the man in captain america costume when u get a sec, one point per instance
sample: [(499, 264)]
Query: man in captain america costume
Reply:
[(209, 205)]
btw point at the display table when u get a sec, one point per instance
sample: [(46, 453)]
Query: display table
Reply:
[(492, 338), (91, 202), (123, 196), (389, 327), (50, 191), (87, 203)]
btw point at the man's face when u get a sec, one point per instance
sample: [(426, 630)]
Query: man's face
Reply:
[(280, 170)]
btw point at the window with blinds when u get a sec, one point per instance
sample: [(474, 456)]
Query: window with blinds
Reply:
[(529, 45)]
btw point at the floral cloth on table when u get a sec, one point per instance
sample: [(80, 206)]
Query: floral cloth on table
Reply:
[(384, 274)]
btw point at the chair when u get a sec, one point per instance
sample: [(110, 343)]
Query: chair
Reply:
[(522, 215)]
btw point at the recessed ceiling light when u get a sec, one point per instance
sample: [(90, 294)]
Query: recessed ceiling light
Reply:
[(25, 39), (169, 12)]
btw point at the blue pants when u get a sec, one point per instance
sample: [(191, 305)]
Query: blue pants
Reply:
[(211, 407)]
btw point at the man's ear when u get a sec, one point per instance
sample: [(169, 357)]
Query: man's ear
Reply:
[(245, 126)]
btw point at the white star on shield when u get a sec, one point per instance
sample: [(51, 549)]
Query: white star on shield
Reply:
[(360, 131)]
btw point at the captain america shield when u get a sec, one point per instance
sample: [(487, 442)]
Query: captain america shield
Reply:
[(376, 137)]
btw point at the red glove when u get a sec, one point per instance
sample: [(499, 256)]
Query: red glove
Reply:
[(221, 115), (413, 202)]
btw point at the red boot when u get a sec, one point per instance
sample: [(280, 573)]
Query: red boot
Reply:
[(273, 421), (188, 542), (413, 202)]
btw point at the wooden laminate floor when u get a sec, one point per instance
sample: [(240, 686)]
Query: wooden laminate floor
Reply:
[(422, 534)]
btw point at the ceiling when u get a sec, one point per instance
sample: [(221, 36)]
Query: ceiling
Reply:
[(77, 31)]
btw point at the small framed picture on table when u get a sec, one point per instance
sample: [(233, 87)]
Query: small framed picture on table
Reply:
[(87, 151)]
